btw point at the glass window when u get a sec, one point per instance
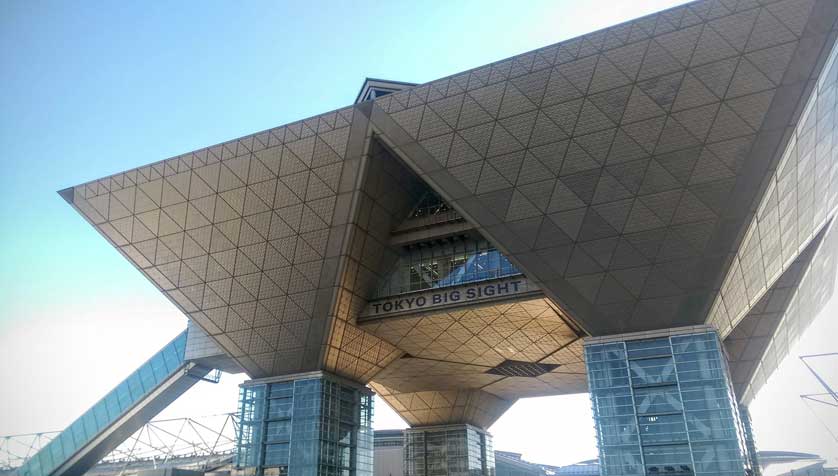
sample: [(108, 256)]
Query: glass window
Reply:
[(170, 357), (299, 424), (135, 384), (123, 394), (147, 377), (451, 264), (613, 402), (280, 408), (79, 432), (648, 348), (282, 390), (653, 371), (278, 430), (100, 413), (90, 424), (711, 425), (662, 429), (277, 454), (344, 456), (718, 458), (657, 400), (605, 352), (55, 450), (667, 459), (67, 443), (45, 459), (608, 374), (618, 430), (158, 367), (693, 343), (672, 414)]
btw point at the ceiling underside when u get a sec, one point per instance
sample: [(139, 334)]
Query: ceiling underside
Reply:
[(455, 349), (620, 171), (446, 406), (621, 181)]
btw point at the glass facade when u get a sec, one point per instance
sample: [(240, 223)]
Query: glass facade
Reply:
[(750, 443), (449, 264), (101, 415), (664, 406), (430, 205), (430, 211), (455, 450), (311, 426)]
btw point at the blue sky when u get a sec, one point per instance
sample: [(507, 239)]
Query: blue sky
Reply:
[(93, 88)]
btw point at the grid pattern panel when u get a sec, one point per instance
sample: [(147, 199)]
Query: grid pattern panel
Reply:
[(456, 450), (617, 169), (312, 426), (800, 199), (235, 234), (387, 194), (460, 349), (816, 288), (747, 343), (525, 330), (665, 405), (446, 376), (440, 407)]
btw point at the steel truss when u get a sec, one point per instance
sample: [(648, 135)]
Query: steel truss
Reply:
[(828, 398), (200, 443)]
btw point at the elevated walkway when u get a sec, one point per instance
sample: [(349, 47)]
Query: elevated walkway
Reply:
[(114, 418)]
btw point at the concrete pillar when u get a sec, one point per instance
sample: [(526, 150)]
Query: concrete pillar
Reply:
[(663, 404), (312, 424), (448, 450)]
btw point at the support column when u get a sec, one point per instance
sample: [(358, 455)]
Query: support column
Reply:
[(448, 450), (312, 424), (750, 442), (663, 404)]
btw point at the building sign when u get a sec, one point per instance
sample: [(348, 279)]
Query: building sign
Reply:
[(435, 299)]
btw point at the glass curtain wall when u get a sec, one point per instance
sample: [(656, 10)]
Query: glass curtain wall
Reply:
[(430, 205), (448, 264), (458, 450), (750, 443), (664, 406), (131, 390), (306, 427)]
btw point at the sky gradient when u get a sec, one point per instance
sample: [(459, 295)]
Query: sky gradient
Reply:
[(93, 88)]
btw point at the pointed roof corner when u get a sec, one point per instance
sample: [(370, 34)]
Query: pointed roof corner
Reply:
[(67, 194), (374, 88)]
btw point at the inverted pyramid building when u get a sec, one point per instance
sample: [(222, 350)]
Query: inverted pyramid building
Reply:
[(673, 172)]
